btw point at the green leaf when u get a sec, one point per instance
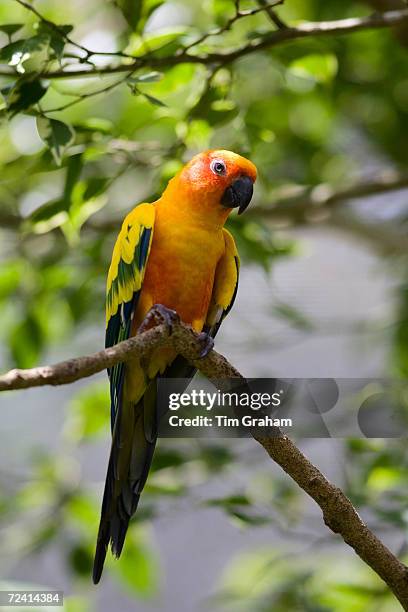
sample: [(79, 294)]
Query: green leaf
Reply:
[(137, 568), (293, 316), (95, 124), (18, 52), (383, 478), (152, 99), (165, 458), (244, 518), (10, 278), (320, 68), (57, 40), (55, 37), (230, 500), (56, 134), (149, 77), (236, 506), (87, 198), (11, 28), (74, 169), (131, 10), (89, 414), (214, 107), (163, 42), (25, 94), (82, 510), (26, 342), (80, 560), (76, 604), (48, 216), (95, 185)]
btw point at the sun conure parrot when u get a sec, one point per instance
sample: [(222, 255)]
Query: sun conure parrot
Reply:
[(172, 255)]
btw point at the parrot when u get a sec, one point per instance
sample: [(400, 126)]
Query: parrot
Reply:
[(172, 258)]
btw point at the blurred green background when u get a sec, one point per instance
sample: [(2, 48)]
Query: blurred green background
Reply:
[(323, 292)]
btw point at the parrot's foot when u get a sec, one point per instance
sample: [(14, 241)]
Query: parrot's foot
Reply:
[(207, 343), (159, 314)]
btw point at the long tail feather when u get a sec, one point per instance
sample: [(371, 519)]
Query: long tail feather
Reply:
[(131, 455)]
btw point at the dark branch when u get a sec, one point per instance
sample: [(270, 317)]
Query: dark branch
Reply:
[(272, 15), (303, 30), (53, 26), (65, 372), (324, 198)]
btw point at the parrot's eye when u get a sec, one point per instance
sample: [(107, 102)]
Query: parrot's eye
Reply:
[(218, 167)]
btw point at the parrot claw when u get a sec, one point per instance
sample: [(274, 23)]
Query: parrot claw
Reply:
[(207, 343), (159, 314)]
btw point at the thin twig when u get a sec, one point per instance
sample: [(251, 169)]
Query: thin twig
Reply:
[(272, 15), (68, 39), (323, 197), (84, 96), (268, 41), (229, 23)]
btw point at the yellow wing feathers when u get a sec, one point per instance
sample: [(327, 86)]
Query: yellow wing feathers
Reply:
[(225, 281), (129, 258)]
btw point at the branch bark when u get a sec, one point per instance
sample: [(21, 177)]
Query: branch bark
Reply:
[(338, 512), (323, 198), (322, 204), (303, 30)]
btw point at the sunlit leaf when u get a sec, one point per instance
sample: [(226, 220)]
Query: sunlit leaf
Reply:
[(320, 67), (165, 41), (56, 134), (26, 341), (25, 94), (82, 510), (74, 169), (131, 10), (153, 100), (94, 124), (55, 36), (89, 413), (11, 28), (10, 278), (23, 47), (48, 216), (76, 604), (382, 478), (137, 569), (149, 77)]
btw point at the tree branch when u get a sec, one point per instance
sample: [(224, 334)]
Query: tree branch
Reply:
[(340, 515), (272, 39), (65, 372), (322, 198), (383, 237), (338, 512), (323, 204)]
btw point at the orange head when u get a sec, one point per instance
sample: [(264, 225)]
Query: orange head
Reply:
[(211, 184)]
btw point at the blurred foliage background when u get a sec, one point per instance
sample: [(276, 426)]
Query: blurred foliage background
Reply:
[(325, 121)]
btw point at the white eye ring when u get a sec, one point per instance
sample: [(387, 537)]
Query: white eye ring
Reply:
[(218, 167)]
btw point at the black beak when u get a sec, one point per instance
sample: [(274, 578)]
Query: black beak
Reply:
[(238, 194)]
